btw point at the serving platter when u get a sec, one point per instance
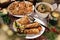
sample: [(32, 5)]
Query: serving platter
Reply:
[(18, 15)]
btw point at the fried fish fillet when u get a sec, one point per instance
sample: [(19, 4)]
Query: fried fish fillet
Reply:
[(24, 20), (33, 25), (31, 31)]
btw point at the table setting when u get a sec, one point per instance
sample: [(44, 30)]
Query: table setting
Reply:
[(29, 20)]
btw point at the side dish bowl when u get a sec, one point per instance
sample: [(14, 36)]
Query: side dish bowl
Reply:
[(43, 9)]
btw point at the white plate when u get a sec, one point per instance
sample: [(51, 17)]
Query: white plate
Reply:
[(32, 36), (21, 15)]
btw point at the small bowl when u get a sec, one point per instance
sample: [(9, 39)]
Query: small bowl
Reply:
[(43, 15), (54, 16)]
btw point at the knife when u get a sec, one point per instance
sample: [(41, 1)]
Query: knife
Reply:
[(35, 19)]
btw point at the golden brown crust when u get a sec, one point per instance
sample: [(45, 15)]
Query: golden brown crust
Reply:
[(20, 8), (31, 31), (33, 25), (24, 20)]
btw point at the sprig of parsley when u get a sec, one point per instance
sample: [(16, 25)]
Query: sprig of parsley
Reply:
[(50, 35), (5, 18)]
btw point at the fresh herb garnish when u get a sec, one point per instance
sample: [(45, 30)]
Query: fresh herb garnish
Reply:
[(5, 18), (20, 35), (1, 14), (16, 25), (50, 35), (53, 22)]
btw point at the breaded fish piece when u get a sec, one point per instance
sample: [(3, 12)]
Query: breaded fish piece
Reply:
[(31, 31), (33, 25), (24, 20)]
